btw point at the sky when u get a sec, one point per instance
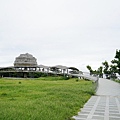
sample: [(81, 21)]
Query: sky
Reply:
[(73, 33)]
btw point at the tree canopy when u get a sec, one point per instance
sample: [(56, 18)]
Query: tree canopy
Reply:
[(110, 70)]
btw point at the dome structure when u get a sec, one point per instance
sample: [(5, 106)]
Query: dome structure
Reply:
[(25, 60)]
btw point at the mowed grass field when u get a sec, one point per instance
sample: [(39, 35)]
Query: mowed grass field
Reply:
[(45, 98)]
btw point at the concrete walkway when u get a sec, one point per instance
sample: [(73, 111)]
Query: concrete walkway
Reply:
[(105, 105), (108, 87)]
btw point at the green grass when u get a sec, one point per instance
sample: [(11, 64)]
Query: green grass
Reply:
[(116, 80), (46, 98)]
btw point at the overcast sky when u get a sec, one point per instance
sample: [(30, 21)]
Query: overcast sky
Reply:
[(60, 32)]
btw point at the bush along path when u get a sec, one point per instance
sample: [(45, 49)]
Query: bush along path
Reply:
[(105, 105)]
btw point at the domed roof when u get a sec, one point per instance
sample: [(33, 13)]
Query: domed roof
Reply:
[(25, 60)]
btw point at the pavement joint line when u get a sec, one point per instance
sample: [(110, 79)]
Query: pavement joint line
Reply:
[(90, 115), (106, 117), (118, 104)]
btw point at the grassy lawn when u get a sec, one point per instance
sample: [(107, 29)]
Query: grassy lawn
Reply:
[(116, 80), (46, 98)]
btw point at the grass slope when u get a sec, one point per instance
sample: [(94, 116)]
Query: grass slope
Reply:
[(47, 98)]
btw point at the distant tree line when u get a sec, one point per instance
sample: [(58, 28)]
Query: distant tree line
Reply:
[(109, 70)]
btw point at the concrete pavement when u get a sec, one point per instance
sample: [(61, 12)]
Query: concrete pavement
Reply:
[(108, 88), (105, 105)]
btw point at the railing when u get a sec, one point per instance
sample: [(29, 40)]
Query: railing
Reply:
[(87, 76)]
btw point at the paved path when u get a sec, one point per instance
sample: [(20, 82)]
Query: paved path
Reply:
[(108, 87), (105, 105)]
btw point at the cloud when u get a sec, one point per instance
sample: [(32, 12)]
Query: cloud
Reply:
[(69, 32)]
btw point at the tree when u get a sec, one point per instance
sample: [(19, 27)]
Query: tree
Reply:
[(109, 70), (106, 69), (113, 71), (90, 69), (100, 71), (95, 72), (116, 62)]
